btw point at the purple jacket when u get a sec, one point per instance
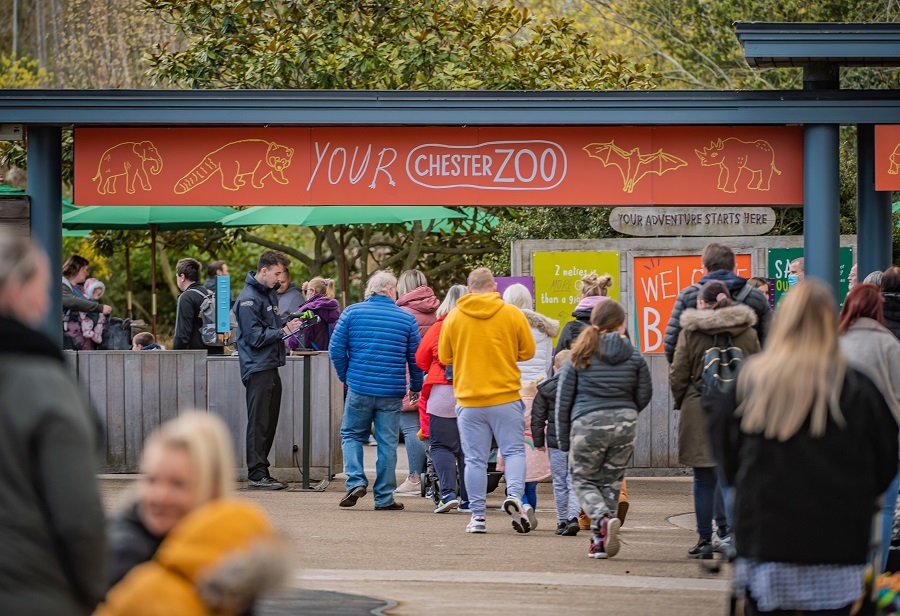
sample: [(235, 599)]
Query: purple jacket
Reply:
[(317, 337)]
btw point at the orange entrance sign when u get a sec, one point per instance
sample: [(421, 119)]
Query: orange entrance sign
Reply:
[(887, 157), (750, 165), (657, 281)]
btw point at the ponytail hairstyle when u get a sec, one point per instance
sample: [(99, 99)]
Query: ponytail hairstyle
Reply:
[(592, 284), (319, 286), (716, 295), (605, 318)]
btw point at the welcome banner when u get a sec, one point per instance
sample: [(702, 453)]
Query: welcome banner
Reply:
[(752, 165)]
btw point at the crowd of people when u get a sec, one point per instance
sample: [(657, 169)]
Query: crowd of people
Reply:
[(800, 423)]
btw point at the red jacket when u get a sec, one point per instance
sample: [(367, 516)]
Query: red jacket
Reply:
[(427, 360)]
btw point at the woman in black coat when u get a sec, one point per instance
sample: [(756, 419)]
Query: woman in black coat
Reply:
[(809, 445)]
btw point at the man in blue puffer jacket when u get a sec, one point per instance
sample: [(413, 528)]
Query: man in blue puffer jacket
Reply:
[(373, 345)]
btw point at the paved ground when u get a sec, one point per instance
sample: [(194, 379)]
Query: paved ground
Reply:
[(424, 562)]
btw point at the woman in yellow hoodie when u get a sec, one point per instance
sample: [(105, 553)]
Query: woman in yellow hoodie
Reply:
[(216, 562)]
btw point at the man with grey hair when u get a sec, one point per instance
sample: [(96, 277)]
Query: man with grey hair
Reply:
[(482, 339), (373, 345)]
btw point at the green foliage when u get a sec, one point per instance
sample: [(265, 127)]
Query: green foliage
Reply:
[(693, 45), (18, 73), (391, 45)]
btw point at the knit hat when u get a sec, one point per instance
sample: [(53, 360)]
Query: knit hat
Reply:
[(90, 285)]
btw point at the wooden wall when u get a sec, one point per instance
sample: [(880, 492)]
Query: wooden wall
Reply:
[(15, 216), (133, 392)]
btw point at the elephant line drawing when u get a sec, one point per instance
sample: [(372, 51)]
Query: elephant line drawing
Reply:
[(734, 157), (130, 159)]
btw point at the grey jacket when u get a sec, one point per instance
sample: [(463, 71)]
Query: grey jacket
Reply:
[(52, 547), (70, 301), (872, 349), (618, 378)]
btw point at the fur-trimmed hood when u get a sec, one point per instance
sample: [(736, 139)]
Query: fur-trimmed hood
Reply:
[(732, 320), (543, 324)]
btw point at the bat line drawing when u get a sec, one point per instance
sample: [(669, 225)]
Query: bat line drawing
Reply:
[(633, 165)]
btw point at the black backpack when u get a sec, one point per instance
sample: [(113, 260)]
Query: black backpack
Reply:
[(721, 364)]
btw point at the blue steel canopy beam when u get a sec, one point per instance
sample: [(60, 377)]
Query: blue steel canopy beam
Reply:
[(768, 45), (427, 108)]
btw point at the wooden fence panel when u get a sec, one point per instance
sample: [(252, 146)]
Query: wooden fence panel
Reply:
[(150, 417), (133, 391), (134, 407), (660, 408)]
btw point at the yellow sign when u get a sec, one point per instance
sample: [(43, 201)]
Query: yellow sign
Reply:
[(557, 279)]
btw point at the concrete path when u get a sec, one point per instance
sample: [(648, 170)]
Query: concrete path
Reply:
[(426, 562)]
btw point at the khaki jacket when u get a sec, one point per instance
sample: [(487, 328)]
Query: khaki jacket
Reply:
[(698, 331)]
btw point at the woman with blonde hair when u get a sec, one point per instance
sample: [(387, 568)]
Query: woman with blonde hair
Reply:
[(594, 291), (186, 463), (216, 562), (809, 444), (319, 293)]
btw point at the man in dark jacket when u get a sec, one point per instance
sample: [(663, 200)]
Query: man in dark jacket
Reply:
[(52, 543), (261, 351), (373, 346), (718, 262), (187, 318), (214, 269)]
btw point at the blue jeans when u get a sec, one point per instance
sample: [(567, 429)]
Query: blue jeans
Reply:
[(708, 501), (887, 518), (415, 449), (506, 422), (529, 497), (566, 504), (359, 413)]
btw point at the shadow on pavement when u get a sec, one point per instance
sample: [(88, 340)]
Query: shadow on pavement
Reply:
[(295, 601)]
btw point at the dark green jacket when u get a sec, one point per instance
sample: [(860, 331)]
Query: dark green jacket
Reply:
[(616, 379), (52, 549)]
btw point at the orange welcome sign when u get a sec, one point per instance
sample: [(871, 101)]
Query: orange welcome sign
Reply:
[(747, 165), (657, 281)]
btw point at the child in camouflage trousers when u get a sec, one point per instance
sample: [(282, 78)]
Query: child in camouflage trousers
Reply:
[(601, 389)]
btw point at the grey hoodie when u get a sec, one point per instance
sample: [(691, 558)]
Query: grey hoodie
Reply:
[(619, 379)]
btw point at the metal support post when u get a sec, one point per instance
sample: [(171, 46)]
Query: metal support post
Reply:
[(821, 204), (45, 192), (874, 220)]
